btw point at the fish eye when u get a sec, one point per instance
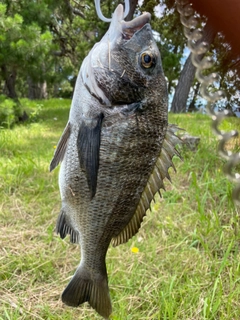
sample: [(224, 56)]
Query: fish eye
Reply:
[(147, 60)]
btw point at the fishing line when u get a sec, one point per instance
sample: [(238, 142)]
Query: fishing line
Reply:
[(101, 16), (193, 35)]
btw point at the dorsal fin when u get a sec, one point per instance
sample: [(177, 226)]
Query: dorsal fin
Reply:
[(155, 182)]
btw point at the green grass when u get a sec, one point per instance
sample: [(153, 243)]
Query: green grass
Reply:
[(188, 264)]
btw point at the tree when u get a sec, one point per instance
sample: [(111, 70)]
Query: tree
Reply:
[(227, 65), (44, 42), (185, 81), (133, 5), (24, 47)]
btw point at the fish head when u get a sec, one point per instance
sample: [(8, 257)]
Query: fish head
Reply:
[(125, 66)]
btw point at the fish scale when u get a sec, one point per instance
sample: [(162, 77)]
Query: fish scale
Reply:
[(115, 152)]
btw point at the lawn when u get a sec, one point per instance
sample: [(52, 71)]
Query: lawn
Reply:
[(188, 261)]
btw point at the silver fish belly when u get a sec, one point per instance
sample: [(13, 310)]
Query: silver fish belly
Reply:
[(115, 151)]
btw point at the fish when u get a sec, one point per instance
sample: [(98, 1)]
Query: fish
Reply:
[(115, 152)]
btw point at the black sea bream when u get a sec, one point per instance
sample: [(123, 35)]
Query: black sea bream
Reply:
[(115, 151)]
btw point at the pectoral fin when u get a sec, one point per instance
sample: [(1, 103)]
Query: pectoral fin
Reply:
[(88, 144), (61, 147)]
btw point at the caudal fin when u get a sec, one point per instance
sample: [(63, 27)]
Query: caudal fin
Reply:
[(94, 289)]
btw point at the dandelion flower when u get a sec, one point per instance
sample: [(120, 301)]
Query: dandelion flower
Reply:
[(54, 147), (134, 249)]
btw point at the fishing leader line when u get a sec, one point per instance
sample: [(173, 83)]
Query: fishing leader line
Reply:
[(101, 16), (197, 47)]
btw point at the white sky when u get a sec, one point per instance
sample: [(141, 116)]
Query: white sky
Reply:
[(158, 9)]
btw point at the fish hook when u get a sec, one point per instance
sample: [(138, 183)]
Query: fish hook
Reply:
[(101, 16)]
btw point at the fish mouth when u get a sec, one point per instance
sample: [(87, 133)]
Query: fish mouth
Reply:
[(127, 28)]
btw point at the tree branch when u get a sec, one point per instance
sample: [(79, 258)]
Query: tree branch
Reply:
[(74, 10)]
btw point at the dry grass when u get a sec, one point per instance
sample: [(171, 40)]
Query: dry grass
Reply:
[(187, 266)]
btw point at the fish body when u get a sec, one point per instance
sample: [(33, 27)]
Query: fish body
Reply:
[(115, 151)]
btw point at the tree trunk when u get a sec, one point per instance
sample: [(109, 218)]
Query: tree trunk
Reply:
[(36, 90), (133, 4), (192, 107), (9, 82), (44, 93), (179, 103)]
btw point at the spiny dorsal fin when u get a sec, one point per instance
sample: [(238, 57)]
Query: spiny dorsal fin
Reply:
[(61, 147), (155, 182)]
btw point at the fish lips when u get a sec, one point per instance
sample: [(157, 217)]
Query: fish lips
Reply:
[(126, 28), (129, 28)]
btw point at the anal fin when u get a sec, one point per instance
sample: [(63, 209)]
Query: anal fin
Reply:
[(63, 227)]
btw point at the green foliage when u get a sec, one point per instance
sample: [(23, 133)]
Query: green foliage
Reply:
[(22, 44), (228, 68), (76, 35), (11, 112), (44, 41), (149, 6), (7, 112), (25, 45)]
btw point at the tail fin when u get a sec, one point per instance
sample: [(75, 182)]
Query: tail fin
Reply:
[(85, 286)]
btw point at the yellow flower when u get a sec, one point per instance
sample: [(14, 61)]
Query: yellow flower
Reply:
[(134, 249), (54, 147)]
